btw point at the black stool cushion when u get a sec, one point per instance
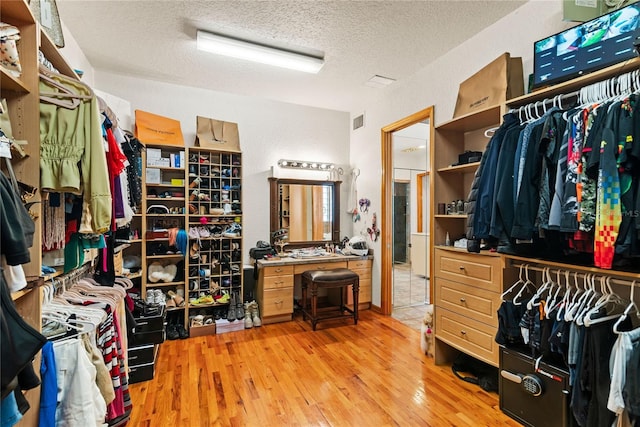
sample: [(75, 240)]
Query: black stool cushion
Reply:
[(329, 276)]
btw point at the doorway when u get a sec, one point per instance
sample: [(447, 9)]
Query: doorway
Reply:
[(400, 222), (391, 225)]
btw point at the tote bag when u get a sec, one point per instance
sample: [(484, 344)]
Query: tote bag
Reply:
[(218, 134), (498, 81)]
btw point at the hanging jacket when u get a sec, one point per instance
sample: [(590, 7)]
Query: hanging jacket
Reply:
[(482, 188)]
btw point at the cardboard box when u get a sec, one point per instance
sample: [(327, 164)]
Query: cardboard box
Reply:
[(153, 154), (162, 162), (177, 182), (200, 331), (153, 176)]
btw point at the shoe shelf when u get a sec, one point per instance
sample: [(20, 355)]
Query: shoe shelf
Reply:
[(208, 184), (215, 246)]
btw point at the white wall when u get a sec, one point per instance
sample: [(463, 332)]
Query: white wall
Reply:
[(437, 85), (268, 130)]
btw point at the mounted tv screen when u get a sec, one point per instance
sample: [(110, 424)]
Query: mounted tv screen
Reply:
[(590, 46)]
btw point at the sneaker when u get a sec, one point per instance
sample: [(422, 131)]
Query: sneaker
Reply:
[(233, 230), (150, 297), (160, 298), (193, 233), (204, 232)]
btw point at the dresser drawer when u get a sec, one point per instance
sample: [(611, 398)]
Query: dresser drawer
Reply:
[(277, 282), (277, 301), (475, 303), (361, 263), (476, 270), (277, 270), (301, 268), (470, 336)]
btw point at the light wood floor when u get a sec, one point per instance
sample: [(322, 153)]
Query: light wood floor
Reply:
[(372, 374)]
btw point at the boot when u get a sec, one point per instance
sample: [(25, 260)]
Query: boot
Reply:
[(231, 314), (255, 314), (239, 307), (248, 323)]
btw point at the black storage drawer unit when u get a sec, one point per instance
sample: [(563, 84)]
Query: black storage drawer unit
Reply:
[(536, 399), (144, 338), (141, 355), (141, 373), (150, 323)]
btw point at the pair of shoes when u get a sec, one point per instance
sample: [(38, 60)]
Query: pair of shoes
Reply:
[(203, 299), (222, 299), (177, 299), (175, 329), (233, 230), (252, 315), (197, 320), (155, 296)]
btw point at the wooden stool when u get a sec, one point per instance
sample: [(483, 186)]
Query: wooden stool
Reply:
[(336, 278)]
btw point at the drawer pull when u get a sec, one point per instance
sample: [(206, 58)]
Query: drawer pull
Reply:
[(462, 267), (463, 332), (462, 300), (278, 270)]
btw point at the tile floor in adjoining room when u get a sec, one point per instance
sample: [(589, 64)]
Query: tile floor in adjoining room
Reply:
[(410, 296)]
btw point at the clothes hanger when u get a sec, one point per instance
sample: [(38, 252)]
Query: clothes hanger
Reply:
[(534, 301), (632, 306), (578, 297), (564, 303), (526, 286), (588, 303), (518, 282), (611, 298)]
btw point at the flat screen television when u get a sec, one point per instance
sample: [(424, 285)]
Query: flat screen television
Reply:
[(588, 47)]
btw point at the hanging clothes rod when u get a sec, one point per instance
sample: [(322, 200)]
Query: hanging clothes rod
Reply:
[(65, 281), (626, 82), (572, 273)]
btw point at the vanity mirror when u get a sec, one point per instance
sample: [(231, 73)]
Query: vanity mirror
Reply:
[(309, 211)]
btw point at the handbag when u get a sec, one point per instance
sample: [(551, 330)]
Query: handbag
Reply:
[(154, 129), (218, 134)]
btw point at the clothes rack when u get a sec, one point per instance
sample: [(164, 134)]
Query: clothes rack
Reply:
[(602, 90), (581, 274)]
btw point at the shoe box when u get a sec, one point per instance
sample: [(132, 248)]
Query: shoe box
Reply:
[(223, 326), (142, 362), (149, 330), (534, 396), (200, 331)]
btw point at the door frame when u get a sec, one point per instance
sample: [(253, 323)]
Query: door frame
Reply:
[(386, 217)]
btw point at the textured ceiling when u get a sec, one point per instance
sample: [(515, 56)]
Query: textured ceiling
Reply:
[(156, 40)]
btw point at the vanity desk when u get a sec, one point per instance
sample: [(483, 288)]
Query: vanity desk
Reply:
[(279, 281)]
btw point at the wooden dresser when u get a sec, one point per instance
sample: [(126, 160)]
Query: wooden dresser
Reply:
[(277, 280), (468, 291)]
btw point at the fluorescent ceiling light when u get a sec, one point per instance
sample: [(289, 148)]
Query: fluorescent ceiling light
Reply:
[(240, 49)]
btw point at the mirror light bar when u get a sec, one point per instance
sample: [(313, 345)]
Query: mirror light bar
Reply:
[(302, 164), (240, 49)]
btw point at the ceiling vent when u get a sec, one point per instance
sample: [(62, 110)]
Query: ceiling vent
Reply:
[(379, 81), (358, 121)]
